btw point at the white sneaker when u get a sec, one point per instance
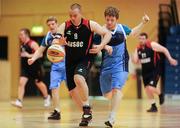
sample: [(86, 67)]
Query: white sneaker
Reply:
[(47, 101), (17, 103)]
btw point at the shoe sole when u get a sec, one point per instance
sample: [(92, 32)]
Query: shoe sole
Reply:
[(89, 122), (16, 106), (108, 124)]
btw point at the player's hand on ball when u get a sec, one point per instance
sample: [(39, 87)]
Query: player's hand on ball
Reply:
[(109, 49), (173, 62), (30, 61), (61, 41), (145, 19)]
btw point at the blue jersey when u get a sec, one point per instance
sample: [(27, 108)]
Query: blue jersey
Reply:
[(118, 61), (47, 41)]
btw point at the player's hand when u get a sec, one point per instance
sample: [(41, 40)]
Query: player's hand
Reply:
[(96, 49), (173, 62), (109, 49), (61, 41), (30, 61), (145, 19), (24, 54)]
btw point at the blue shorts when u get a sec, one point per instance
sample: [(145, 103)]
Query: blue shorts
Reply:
[(111, 80), (57, 76)]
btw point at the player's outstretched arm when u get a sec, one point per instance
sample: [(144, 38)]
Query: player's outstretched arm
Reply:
[(136, 30), (95, 27), (36, 55), (159, 48)]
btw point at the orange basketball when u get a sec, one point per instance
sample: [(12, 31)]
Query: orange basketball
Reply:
[(55, 53)]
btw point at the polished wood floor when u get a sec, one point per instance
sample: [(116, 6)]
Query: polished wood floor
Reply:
[(132, 114)]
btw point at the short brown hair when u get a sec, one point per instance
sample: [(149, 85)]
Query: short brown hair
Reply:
[(144, 34), (26, 31), (75, 5), (111, 11), (51, 18)]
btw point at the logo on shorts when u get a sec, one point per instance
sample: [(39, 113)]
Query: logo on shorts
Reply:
[(80, 70), (152, 82), (68, 32)]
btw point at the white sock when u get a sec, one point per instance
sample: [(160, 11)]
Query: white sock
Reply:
[(152, 101), (57, 109), (112, 117)]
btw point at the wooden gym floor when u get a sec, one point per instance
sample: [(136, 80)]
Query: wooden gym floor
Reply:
[(132, 114)]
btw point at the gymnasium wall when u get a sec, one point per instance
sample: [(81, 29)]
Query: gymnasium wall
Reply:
[(15, 14)]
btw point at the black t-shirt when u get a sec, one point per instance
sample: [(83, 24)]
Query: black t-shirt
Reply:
[(27, 48), (148, 57), (79, 39)]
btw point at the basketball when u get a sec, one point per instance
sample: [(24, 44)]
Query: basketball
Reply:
[(55, 53)]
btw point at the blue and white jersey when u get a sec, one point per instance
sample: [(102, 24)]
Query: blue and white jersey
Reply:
[(46, 42), (118, 61)]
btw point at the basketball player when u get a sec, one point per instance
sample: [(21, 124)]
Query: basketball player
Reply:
[(28, 47), (58, 73), (77, 34), (147, 53), (114, 68)]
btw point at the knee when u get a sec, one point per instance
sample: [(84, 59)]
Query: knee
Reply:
[(37, 82), (22, 83), (78, 79), (116, 91), (108, 95), (149, 89), (72, 92)]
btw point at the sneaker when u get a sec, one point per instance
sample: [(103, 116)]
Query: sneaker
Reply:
[(17, 103), (152, 109), (111, 120), (55, 115), (47, 101), (109, 123), (161, 98), (86, 117)]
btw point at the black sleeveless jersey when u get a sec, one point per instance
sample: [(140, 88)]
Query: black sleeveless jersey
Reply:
[(79, 39), (148, 57), (27, 48)]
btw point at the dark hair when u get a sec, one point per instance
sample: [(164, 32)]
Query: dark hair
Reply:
[(75, 5), (51, 18), (26, 31), (111, 11), (144, 34)]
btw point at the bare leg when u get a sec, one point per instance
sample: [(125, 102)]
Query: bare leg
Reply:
[(21, 87), (76, 98), (150, 91), (42, 87), (55, 98), (82, 88)]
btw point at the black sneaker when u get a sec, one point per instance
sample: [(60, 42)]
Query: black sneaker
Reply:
[(161, 99), (153, 109), (86, 117), (108, 123), (55, 116)]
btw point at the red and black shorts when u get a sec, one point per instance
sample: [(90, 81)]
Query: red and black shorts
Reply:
[(151, 78), (81, 68)]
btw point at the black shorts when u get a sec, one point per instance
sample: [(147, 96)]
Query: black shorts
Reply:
[(82, 68), (151, 78), (34, 73)]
